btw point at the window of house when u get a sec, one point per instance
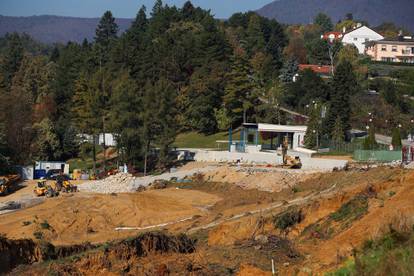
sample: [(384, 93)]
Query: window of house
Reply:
[(355, 38), (394, 48), (383, 47), (366, 39)]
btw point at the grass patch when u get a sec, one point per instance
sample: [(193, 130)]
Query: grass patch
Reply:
[(352, 210), (340, 220), (199, 140), (393, 254)]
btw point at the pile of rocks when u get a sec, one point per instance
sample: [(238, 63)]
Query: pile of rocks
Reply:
[(118, 183)]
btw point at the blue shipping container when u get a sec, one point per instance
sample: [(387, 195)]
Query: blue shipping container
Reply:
[(39, 174)]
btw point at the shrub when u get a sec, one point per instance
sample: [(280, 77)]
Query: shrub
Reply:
[(288, 219), (38, 235), (45, 225)]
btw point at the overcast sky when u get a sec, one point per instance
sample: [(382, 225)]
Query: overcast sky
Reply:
[(120, 8)]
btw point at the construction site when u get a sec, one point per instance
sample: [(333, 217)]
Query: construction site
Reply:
[(207, 218)]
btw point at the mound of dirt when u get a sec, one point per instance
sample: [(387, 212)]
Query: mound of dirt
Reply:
[(260, 179), (93, 218)]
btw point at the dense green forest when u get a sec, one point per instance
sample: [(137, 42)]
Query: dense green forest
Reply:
[(176, 70)]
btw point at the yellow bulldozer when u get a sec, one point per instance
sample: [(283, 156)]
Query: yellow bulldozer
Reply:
[(43, 188)]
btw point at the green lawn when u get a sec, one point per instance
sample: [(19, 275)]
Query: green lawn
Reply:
[(199, 140)]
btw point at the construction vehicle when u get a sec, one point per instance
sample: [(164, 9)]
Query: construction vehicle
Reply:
[(7, 183), (292, 162), (42, 188), (68, 187)]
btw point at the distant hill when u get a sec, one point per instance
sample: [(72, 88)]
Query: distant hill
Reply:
[(51, 29), (375, 12)]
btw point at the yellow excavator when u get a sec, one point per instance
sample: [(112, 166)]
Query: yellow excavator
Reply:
[(68, 187), (289, 161)]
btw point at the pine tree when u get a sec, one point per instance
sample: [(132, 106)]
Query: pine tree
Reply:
[(289, 70), (105, 35), (106, 30), (324, 22), (238, 90), (343, 86), (370, 143), (255, 39), (166, 119), (396, 139), (46, 144), (86, 109), (338, 132), (313, 131), (125, 118), (269, 109), (12, 59)]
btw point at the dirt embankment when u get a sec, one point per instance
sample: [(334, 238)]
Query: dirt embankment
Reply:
[(262, 179), (118, 256), (334, 214)]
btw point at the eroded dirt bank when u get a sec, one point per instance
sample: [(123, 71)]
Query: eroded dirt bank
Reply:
[(311, 226)]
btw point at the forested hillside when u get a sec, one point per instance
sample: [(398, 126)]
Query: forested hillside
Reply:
[(179, 70)]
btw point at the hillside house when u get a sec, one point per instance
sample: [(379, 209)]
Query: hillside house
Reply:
[(332, 36), (321, 70), (359, 37), (400, 49)]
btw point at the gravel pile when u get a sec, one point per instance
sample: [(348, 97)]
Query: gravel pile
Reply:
[(126, 183), (118, 183)]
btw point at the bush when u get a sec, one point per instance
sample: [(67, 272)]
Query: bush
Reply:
[(38, 235), (26, 223), (45, 225), (288, 219)]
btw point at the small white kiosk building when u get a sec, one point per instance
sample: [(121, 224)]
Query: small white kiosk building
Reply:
[(270, 136)]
